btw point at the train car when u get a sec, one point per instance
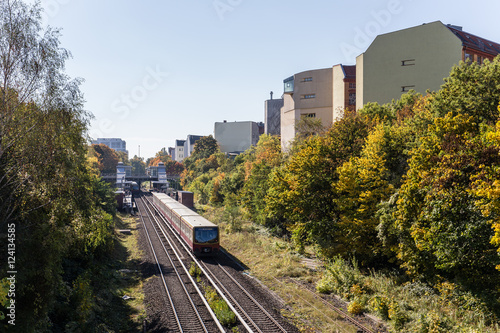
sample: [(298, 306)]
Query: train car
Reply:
[(200, 235), (134, 187)]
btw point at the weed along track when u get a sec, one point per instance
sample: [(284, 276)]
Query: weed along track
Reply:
[(249, 307), (362, 325)]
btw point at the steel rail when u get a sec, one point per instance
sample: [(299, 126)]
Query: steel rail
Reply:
[(214, 317), (252, 299), (161, 274), (204, 271), (334, 308), (193, 306)]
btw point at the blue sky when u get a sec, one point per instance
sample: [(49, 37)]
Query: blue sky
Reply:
[(158, 70)]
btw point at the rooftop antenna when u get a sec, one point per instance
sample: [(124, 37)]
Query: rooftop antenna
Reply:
[(271, 95)]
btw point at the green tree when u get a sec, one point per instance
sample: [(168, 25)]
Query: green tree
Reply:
[(107, 158), (259, 163), (205, 147), (48, 191), (442, 230), (302, 192), (138, 165)]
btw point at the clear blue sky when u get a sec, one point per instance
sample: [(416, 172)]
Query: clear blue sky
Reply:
[(158, 70)]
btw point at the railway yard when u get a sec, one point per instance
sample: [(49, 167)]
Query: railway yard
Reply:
[(176, 300)]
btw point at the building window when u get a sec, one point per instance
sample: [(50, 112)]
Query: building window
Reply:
[(352, 85), (288, 85), (480, 60), (309, 96), (352, 98), (468, 57), (307, 79), (308, 115), (407, 88), (408, 62)]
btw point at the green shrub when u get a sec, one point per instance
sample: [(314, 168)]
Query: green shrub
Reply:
[(380, 305), (355, 308), (194, 270), (220, 308)]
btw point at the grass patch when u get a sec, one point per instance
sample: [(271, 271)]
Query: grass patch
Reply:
[(127, 281), (220, 308)]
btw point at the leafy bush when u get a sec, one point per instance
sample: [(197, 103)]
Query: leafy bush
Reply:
[(219, 306)]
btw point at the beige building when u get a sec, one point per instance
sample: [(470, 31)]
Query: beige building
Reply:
[(417, 58), (322, 94)]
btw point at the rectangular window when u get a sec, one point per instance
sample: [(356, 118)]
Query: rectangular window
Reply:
[(308, 115), (307, 79), (352, 85), (408, 62), (309, 96), (468, 57), (352, 99), (407, 88)]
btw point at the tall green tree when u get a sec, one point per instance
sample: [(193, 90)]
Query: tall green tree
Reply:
[(107, 158), (260, 161), (302, 192), (48, 192), (138, 165)]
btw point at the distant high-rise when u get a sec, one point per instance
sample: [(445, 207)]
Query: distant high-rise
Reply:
[(113, 143)]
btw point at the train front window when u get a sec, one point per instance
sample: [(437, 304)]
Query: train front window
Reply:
[(206, 235)]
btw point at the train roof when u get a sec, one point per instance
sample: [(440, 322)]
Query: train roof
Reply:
[(161, 195), (167, 199), (174, 205), (184, 212), (198, 221)]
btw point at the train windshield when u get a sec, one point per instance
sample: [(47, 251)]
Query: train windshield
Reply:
[(206, 235)]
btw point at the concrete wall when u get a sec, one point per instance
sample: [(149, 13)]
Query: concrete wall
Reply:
[(339, 92), (236, 136), (431, 50), (360, 63), (272, 116)]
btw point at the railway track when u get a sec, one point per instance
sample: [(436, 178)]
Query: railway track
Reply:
[(186, 308), (254, 313), (362, 327)]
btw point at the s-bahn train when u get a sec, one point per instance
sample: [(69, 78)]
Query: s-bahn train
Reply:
[(201, 235), (134, 187)]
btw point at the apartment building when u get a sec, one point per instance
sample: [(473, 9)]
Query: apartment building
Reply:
[(322, 94), (189, 144), (306, 94), (417, 58), (179, 150)]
